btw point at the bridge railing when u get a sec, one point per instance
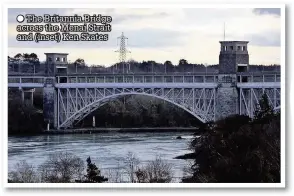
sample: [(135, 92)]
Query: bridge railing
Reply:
[(258, 77), (26, 79), (241, 78), (138, 79)]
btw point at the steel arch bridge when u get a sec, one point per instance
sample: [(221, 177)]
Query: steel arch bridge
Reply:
[(206, 97), (76, 103), (230, 88), (201, 99)]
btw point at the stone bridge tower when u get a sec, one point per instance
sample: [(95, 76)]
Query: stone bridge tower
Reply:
[(55, 63), (233, 58)]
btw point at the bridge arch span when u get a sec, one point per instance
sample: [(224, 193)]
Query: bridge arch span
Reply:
[(89, 108)]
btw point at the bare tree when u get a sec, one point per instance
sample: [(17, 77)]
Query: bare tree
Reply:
[(157, 171), (62, 168), (24, 173), (115, 175), (132, 163)]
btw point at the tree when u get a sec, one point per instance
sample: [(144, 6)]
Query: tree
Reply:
[(33, 56), (132, 163), (183, 62), (22, 118), (61, 167), (18, 56), (167, 63), (80, 62), (264, 108), (25, 62), (93, 173), (156, 171), (24, 173), (237, 149)]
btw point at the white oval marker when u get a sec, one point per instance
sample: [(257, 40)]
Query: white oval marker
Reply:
[(20, 18)]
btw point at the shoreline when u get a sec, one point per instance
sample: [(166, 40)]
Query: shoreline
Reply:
[(108, 130), (137, 129)]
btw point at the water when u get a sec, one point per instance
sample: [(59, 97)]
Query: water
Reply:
[(107, 150)]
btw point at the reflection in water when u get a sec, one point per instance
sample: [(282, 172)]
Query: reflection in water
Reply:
[(105, 149)]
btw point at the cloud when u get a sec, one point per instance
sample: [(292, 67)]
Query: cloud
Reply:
[(267, 11), (272, 38), (122, 15), (166, 34), (158, 38), (117, 19)]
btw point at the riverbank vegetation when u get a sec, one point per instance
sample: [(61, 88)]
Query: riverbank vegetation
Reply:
[(131, 111), (65, 167), (139, 111), (238, 149), (23, 118)]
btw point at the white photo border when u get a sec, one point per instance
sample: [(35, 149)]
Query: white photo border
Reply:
[(144, 185)]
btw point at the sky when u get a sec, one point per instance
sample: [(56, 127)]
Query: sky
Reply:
[(164, 34)]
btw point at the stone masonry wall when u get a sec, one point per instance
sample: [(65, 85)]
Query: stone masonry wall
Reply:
[(227, 96), (228, 62), (226, 102), (49, 106)]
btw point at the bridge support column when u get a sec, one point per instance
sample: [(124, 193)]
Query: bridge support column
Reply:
[(50, 107), (30, 99), (227, 97)]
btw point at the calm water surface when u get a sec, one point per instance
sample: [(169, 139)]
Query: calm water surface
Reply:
[(107, 150)]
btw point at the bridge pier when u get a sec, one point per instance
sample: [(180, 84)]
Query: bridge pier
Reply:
[(55, 63), (50, 103), (30, 100), (227, 97), (49, 106), (233, 58)]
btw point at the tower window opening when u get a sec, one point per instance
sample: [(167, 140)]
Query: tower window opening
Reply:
[(63, 80), (232, 47), (58, 59), (63, 59), (244, 79), (239, 48), (242, 68), (49, 59), (244, 48)]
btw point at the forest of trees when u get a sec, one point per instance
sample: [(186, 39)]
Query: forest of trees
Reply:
[(139, 111), (24, 118)]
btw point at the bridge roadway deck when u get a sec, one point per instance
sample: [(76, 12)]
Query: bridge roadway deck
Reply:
[(146, 80), (259, 85), (256, 73), (145, 85), (136, 85)]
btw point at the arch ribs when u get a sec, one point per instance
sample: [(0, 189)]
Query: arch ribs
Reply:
[(74, 104)]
